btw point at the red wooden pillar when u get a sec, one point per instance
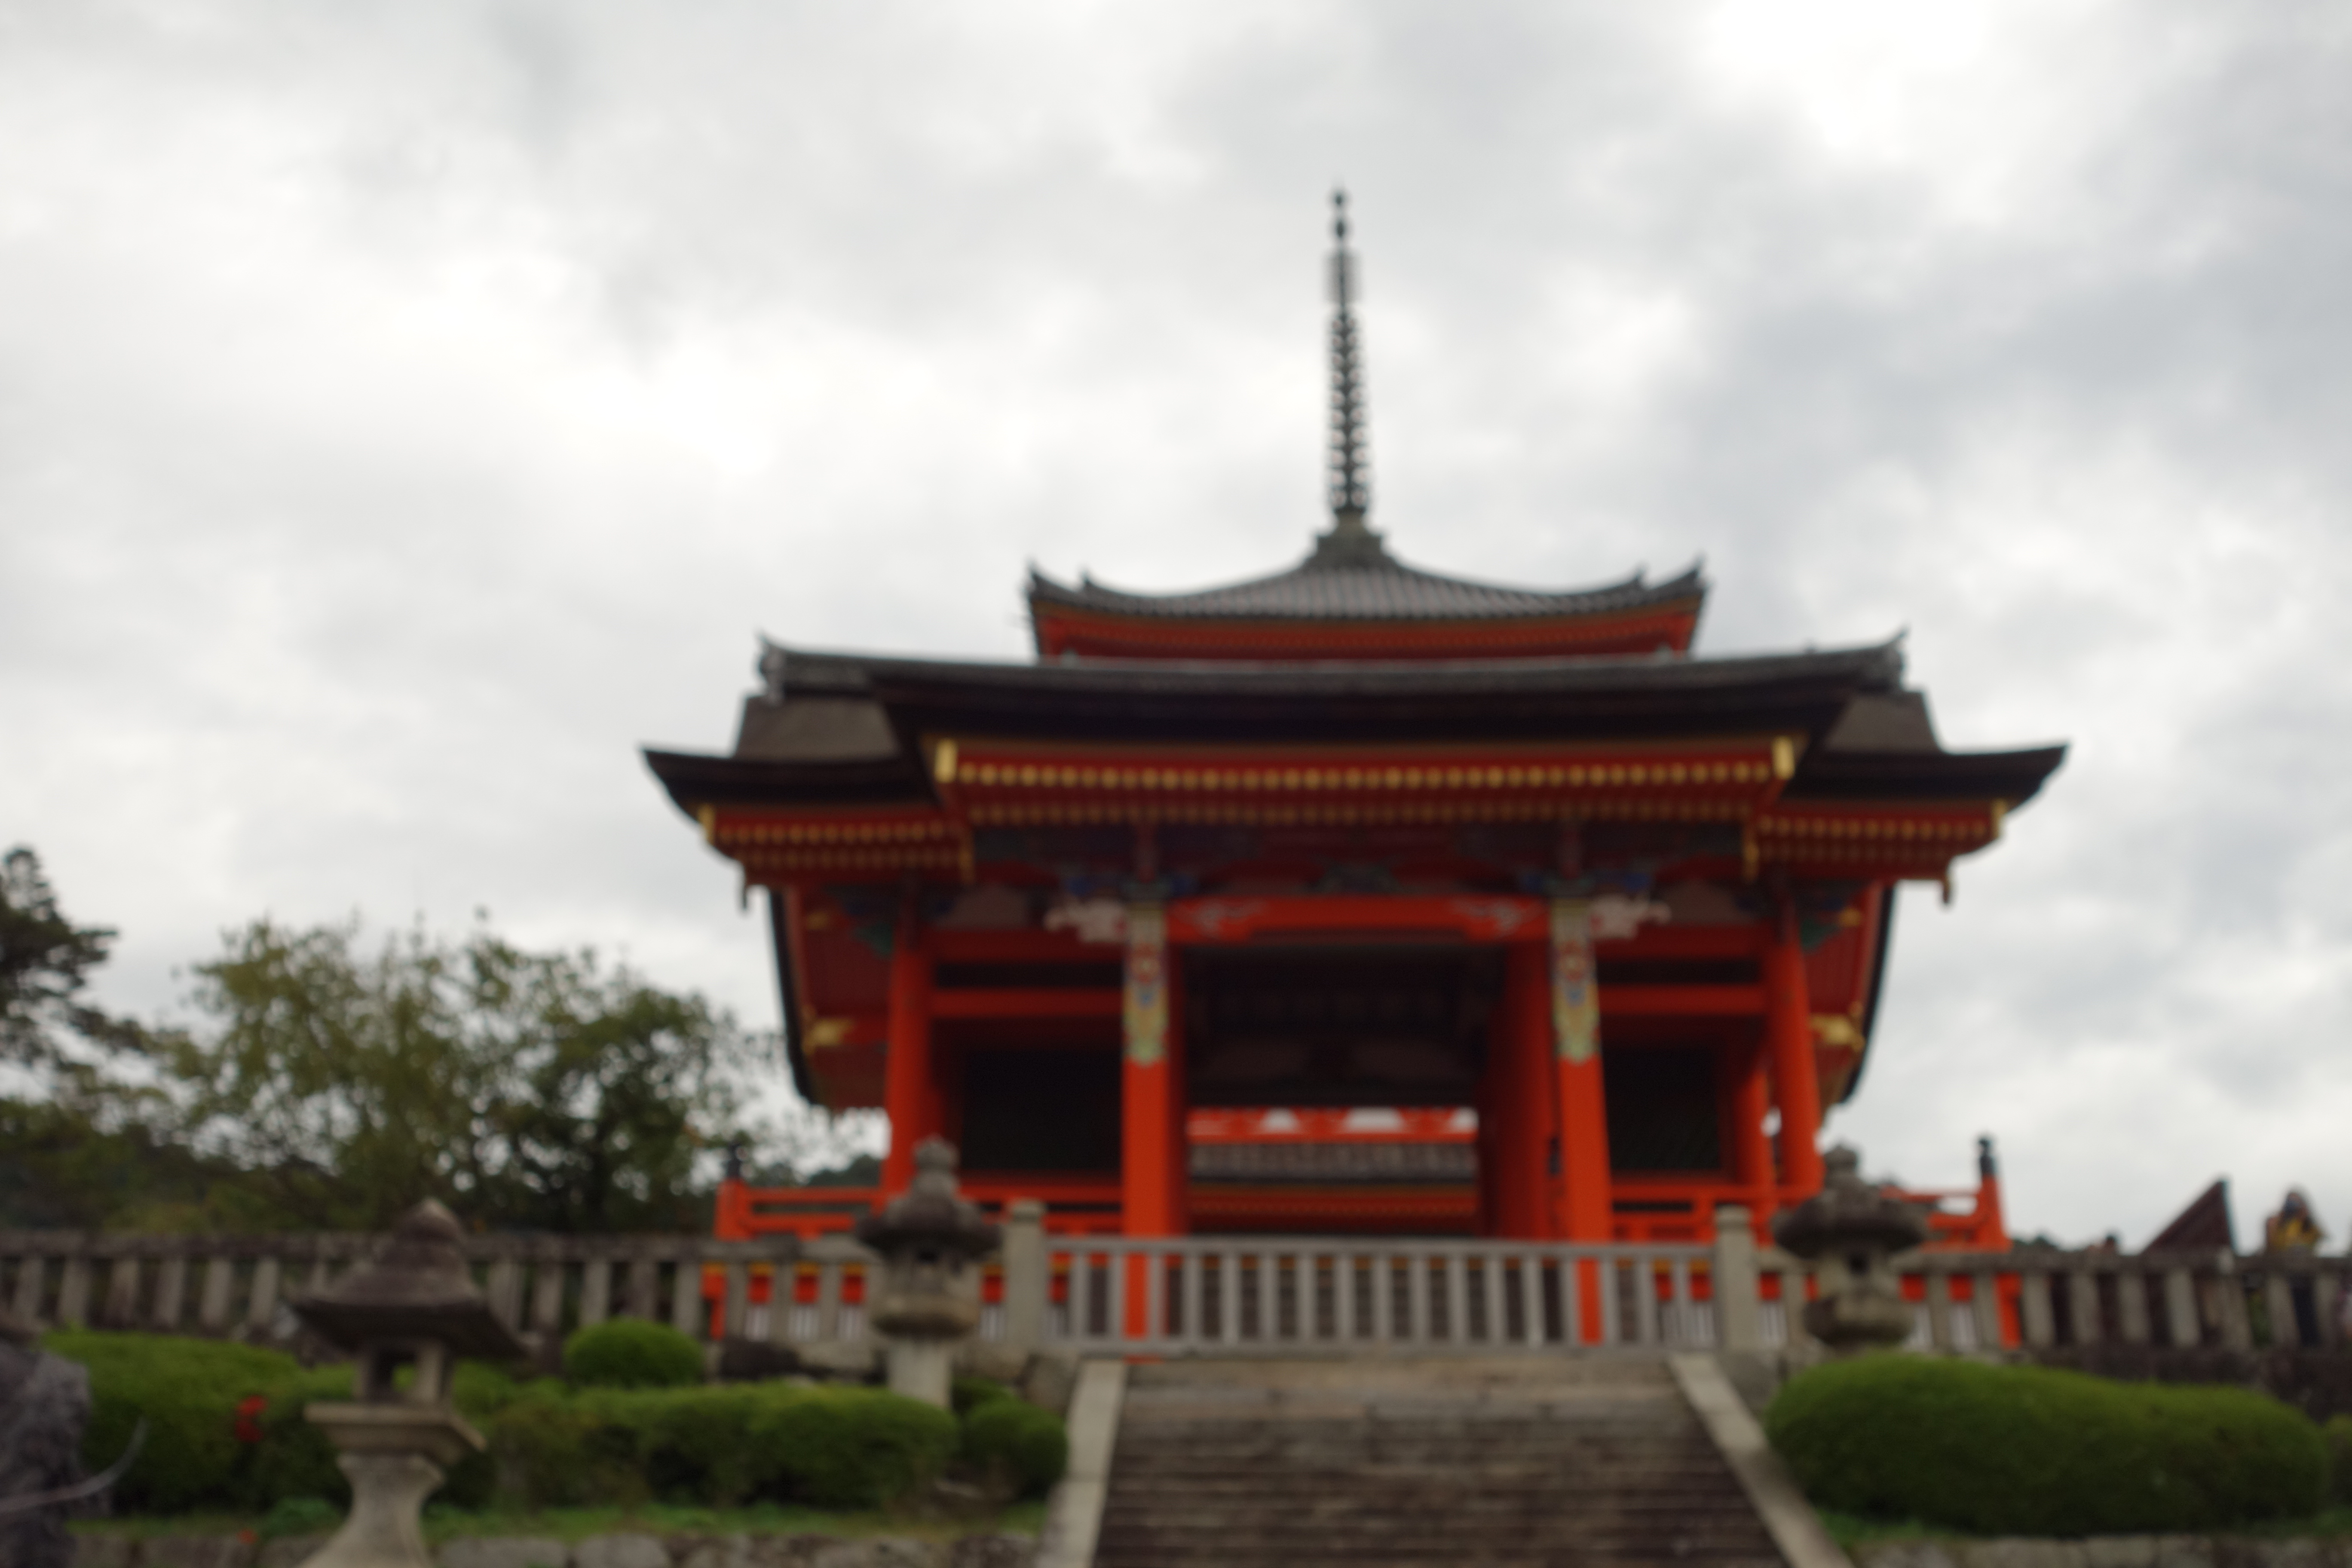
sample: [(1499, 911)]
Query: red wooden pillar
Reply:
[(1789, 1040), (1518, 1187), (1585, 1212), (1147, 1100), (909, 1089), (1586, 1209), (1180, 1108), (1149, 1143)]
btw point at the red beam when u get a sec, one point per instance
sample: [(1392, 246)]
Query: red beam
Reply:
[(1036, 1002), (1019, 946), (1477, 919), (1661, 1001), (1671, 940)]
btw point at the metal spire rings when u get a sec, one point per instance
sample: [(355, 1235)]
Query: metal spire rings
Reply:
[(1351, 487)]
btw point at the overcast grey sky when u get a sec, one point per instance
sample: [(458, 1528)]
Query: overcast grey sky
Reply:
[(407, 409)]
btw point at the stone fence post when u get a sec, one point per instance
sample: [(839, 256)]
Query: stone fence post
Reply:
[(1739, 1322), (1027, 1274)]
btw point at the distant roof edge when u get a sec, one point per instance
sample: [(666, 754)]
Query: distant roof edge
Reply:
[(1350, 598)]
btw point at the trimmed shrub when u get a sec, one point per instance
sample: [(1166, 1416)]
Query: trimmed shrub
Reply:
[(1017, 1444), (695, 1445), (970, 1393), (2015, 1450), (2338, 1434), (294, 1458), (300, 1516), (630, 1352), (225, 1422), (554, 1451), (200, 1443), (856, 1447)]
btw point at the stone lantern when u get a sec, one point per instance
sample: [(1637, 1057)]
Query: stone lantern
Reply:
[(1854, 1230), (930, 1242), (414, 1306)]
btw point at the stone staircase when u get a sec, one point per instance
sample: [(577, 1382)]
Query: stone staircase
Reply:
[(1535, 1461)]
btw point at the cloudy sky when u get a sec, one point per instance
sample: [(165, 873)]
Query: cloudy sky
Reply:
[(408, 409)]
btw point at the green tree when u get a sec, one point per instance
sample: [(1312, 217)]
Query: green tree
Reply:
[(83, 1141), (44, 962), (540, 1091), (329, 1083)]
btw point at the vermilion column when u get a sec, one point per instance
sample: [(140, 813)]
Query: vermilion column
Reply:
[(1520, 1103), (909, 1092), (1149, 1142), (1147, 1101), (1178, 1213), (1789, 1041), (1585, 1212)]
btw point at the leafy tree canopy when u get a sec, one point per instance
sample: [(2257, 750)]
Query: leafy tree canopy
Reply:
[(331, 1083), (543, 1092), (44, 962)]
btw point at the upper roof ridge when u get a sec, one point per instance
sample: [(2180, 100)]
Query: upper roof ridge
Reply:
[(1334, 586)]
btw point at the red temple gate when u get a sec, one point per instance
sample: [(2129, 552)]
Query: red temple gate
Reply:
[(1583, 931)]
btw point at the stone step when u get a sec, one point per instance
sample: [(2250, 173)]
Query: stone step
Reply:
[(1454, 1555), (1176, 1507), (1595, 1464), (1242, 1542), (1342, 1457), (1264, 1525), (1335, 1479), (1240, 1538)]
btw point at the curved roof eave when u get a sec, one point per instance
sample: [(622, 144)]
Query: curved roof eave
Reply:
[(1348, 702), (1386, 590)]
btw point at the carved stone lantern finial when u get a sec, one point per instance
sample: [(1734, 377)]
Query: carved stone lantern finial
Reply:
[(412, 1307), (931, 1242), (1854, 1230)]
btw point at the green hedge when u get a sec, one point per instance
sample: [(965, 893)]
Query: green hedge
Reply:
[(860, 1447), (720, 1446), (970, 1393), (1017, 1444), (209, 1447), (630, 1352), (2338, 1434), (2032, 1451), (832, 1447)]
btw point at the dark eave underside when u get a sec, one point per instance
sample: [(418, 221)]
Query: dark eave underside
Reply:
[(2013, 777), (694, 780)]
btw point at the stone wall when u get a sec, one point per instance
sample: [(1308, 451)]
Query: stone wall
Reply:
[(2111, 1552), (616, 1550)]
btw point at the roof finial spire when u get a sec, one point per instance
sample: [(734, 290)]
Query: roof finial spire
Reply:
[(1350, 541)]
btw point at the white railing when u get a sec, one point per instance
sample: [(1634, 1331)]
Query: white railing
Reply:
[(539, 1286), (1223, 1294), (1203, 1295)]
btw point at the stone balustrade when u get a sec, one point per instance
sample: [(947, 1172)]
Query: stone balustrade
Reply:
[(1220, 1295)]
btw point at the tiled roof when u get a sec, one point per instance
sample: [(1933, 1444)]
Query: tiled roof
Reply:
[(1363, 585)]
